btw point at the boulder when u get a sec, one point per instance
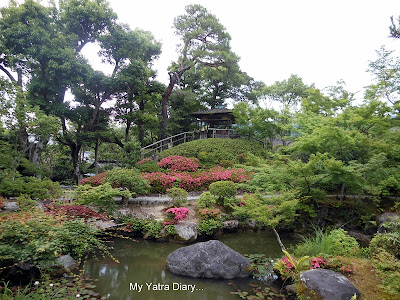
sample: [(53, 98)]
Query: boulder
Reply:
[(64, 264), (68, 262), (329, 285), (231, 225), (384, 218), (211, 259), (10, 206), (186, 232)]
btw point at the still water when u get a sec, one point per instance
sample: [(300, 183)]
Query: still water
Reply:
[(142, 264)]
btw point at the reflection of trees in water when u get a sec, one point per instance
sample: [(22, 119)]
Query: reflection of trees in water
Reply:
[(145, 262)]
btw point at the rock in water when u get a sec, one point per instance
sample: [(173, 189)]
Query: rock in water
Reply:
[(328, 284), (186, 232), (211, 259)]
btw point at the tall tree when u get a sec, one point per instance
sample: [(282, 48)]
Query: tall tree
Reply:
[(204, 42), (45, 43)]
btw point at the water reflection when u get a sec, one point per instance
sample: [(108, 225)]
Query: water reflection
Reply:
[(143, 265)]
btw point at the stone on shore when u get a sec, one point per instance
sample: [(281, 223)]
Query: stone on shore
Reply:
[(329, 285)]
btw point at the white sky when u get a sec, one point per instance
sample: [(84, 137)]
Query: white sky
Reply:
[(322, 41)]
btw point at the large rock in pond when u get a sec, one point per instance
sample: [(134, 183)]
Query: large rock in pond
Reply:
[(186, 232), (329, 285), (211, 259)]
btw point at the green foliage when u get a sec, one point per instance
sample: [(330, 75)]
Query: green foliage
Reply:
[(149, 167), (272, 211), (152, 229), (223, 190), (170, 229), (336, 242), (34, 187), (129, 179), (206, 200), (101, 196), (39, 238), (214, 151), (389, 241), (26, 203), (388, 267), (209, 226), (178, 196)]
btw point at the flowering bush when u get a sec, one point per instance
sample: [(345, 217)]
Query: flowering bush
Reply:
[(338, 264), (177, 214), (94, 180), (179, 163), (144, 160), (210, 214), (160, 182), (286, 268)]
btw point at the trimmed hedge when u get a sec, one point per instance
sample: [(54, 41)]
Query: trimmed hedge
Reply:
[(214, 151)]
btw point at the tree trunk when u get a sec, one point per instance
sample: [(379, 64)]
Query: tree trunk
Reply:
[(174, 77), (96, 157), (279, 239), (140, 123), (75, 149)]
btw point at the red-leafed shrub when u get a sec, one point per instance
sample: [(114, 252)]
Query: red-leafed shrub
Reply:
[(75, 211)]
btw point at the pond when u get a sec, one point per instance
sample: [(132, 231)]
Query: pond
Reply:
[(142, 264)]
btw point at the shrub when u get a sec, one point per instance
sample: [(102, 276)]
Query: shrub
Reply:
[(338, 264), (388, 267), (170, 230), (342, 243), (127, 178), (178, 196), (179, 163), (26, 203), (101, 196), (1, 202), (209, 226), (94, 180), (31, 186), (132, 224), (222, 190), (152, 229), (214, 151), (390, 241), (210, 214), (177, 214), (74, 211), (206, 200), (149, 167), (40, 238)]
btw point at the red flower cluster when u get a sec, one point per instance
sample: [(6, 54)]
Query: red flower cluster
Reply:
[(338, 263), (94, 180), (144, 160), (177, 214), (179, 163), (160, 182)]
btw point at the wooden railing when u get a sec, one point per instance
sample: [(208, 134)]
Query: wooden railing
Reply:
[(169, 142), (190, 136)]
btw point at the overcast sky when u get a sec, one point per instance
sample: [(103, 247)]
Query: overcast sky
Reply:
[(321, 41)]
